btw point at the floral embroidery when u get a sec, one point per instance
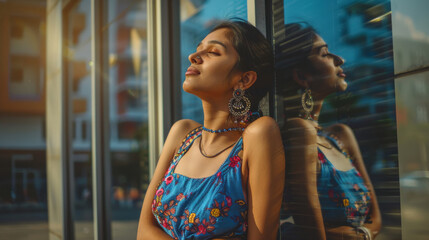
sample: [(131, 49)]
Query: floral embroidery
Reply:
[(215, 212), (228, 201), (233, 161), (223, 210), (219, 209), (321, 157), (343, 195), (218, 178), (169, 179), (180, 197), (345, 202), (159, 192), (194, 225), (191, 218)]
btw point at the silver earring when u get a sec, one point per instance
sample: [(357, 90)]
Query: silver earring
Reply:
[(307, 104), (239, 105)]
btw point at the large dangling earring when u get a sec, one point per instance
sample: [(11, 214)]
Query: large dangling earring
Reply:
[(239, 106), (307, 104)]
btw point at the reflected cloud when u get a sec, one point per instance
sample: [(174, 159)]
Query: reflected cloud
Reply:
[(408, 29)]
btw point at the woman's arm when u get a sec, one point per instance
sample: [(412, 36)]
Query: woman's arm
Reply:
[(148, 226), (264, 158), (301, 179), (346, 135)]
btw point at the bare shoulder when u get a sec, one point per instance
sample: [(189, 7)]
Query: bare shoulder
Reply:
[(262, 140), (342, 131), (299, 131), (299, 124), (261, 126), (183, 127), (262, 133), (178, 132)]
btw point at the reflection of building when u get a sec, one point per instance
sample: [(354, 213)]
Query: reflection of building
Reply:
[(128, 78), (22, 105), (366, 42), (126, 99), (361, 33)]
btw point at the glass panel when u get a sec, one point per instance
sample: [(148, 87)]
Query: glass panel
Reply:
[(196, 19), (360, 32), (410, 34), (23, 189), (128, 109), (412, 97), (77, 60), (25, 70)]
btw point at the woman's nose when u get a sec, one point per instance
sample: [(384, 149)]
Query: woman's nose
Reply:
[(338, 61), (195, 58)]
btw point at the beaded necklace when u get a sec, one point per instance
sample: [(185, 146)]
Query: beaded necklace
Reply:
[(223, 130), (217, 131)]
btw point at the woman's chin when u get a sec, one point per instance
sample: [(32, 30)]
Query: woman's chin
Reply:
[(342, 86), (186, 87)]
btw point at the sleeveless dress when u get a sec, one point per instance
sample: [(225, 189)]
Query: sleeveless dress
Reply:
[(202, 208), (344, 197)]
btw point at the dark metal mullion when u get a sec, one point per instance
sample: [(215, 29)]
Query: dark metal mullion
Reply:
[(68, 169), (175, 65), (99, 136)]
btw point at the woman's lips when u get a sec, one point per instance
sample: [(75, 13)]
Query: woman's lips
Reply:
[(192, 71), (341, 74)]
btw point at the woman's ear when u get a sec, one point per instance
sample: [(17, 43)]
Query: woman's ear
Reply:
[(247, 79), (299, 78)]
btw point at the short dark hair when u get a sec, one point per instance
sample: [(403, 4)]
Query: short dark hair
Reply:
[(255, 54)]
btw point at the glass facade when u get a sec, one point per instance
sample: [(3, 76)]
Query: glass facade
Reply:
[(360, 32), (411, 46), (196, 19), (23, 191), (128, 112), (77, 78), (53, 53)]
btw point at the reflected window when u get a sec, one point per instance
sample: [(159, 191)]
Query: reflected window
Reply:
[(23, 186), (413, 141), (77, 77), (128, 109), (360, 32)]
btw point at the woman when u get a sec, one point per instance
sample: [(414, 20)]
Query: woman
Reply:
[(220, 180), (328, 190)]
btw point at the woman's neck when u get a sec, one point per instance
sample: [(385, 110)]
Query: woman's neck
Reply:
[(217, 116), (316, 109)]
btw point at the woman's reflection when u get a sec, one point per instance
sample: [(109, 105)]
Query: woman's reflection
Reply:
[(329, 193)]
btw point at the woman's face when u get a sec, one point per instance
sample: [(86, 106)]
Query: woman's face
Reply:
[(212, 70), (325, 75)]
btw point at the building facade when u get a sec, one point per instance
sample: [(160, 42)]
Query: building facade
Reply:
[(90, 88)]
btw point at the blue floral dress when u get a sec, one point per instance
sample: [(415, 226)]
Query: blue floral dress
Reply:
[(202, 208), (343, 195)]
